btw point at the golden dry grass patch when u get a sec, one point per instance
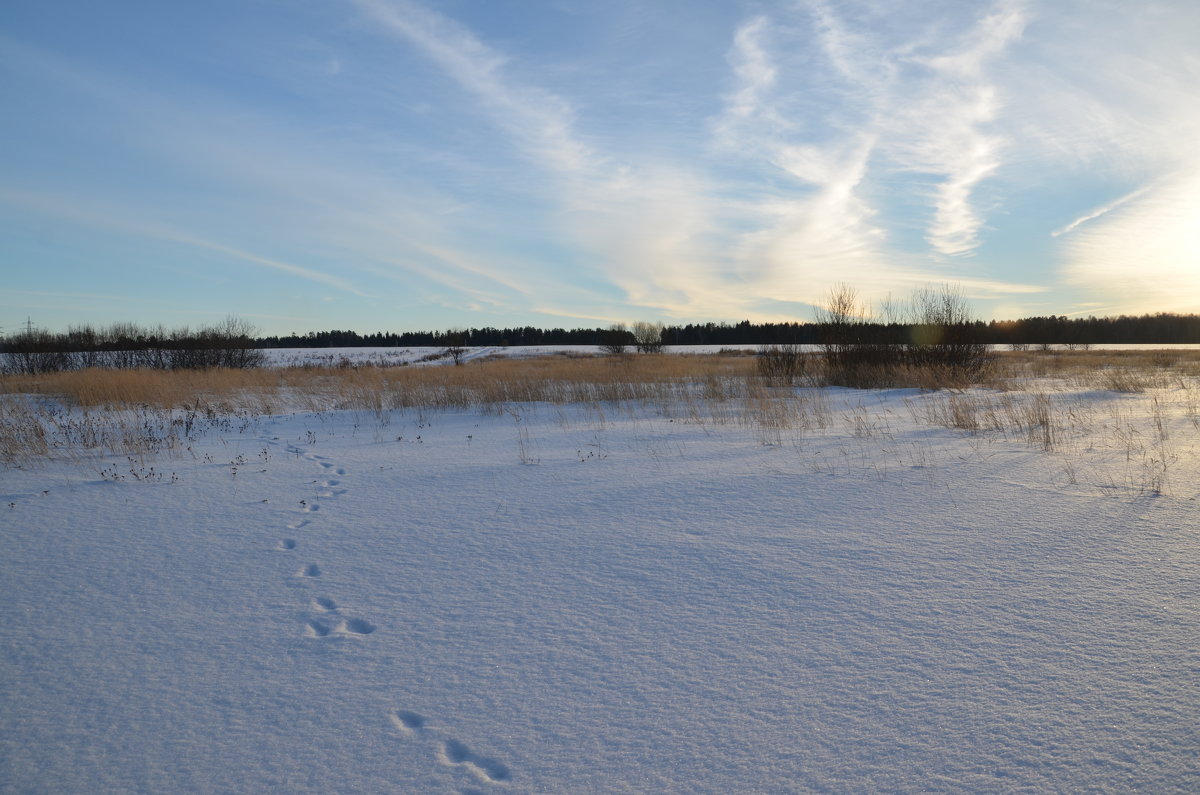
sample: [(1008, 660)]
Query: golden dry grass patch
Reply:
[(553, 379)]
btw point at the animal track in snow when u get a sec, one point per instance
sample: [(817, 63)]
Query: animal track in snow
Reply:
[(410, 723), (325, 625), (451, 752), (455, 753), (317, 629), (355, 626), (350, 627), (328, 465)]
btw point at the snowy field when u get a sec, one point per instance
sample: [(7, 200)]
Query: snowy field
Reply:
[(391, 357), (844, 593)]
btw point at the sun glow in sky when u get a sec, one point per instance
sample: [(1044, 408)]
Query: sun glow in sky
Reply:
[(391, 165)]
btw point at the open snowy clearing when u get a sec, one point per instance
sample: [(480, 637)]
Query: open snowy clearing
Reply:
[(392, 357), (840, 595)]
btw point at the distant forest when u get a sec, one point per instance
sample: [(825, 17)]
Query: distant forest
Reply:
[(233, 344), (1144, 329)]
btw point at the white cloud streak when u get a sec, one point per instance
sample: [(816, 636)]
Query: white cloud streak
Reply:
[(80, 210), (857, 141), (932, 122), (955, 142), (539, 120), (1099, 211), (641, 226), (754, 76), (821, 223), (1143, 253), (365, 225)]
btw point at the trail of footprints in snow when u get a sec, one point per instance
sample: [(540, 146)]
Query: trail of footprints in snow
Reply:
[(329, 622), (451, 752)]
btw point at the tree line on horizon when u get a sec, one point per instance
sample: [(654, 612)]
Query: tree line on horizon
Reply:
[(128, 346), (1161, 328), (234, 343)]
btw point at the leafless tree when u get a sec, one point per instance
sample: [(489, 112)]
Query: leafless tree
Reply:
[(615, 339), (943, 331), (455, 341), (648, 336)]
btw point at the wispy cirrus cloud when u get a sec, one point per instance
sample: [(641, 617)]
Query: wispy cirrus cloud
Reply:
[(1117, 102), (539, 120), (1143, 251), (256, 188), (1103, 210), (930, 100), (641, 225), (933, 104), (614, 162), (102, 215), (754, 75), (952, 136), (816, 222), (890, 105)]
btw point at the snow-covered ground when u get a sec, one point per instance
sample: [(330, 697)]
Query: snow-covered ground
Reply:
[(575, 599), (333, 357), (391, 357)]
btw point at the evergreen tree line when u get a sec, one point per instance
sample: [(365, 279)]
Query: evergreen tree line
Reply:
[(1144, 329), (475, 337), (233, 343)]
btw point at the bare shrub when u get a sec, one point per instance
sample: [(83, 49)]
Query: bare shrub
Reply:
[(854, 356), (648, 336), (942, 349), (943, 333), (125, 346), (783, 364), (455, 342), (615, 339)]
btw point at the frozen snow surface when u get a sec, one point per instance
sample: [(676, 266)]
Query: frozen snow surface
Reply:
[(334, 357), (604, 599)]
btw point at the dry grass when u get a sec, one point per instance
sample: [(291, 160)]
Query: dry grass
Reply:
[(147, 411), (1122, 445), (1121, 371), (1027, 396), (486, 383), (1031, 416), (553, 379), (22, 436), (163, 389), (33, 429)]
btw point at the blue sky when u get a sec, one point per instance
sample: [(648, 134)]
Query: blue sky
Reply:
[(389, 165)]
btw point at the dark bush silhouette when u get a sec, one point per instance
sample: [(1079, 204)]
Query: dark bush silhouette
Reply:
[(230, 343), (938, 342), (783, 364)]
